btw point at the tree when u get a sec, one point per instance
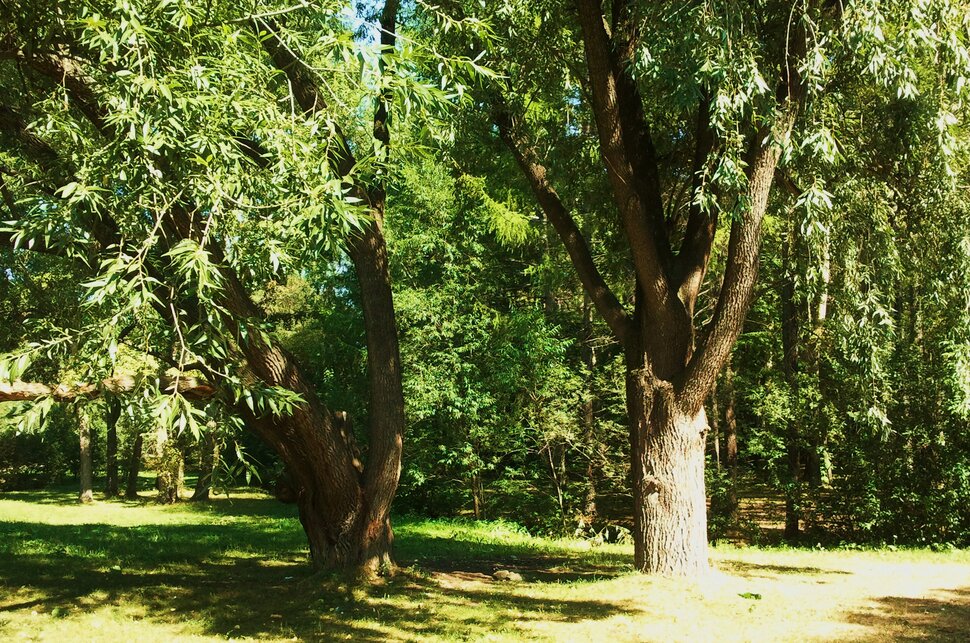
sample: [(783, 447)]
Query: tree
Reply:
[(85, 475), (150, 141), (111, 415), (693, 109)]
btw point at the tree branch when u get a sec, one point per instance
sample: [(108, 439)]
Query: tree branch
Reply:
[(741, 273), (695, 249), (304, 87), (599, 292), (189, 387), (614, 140), (64, 71), (637, 139)]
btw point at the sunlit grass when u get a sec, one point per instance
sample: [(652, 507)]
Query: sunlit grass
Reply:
[(236, 567)]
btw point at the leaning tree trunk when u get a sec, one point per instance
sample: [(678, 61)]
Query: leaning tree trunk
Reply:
[(85, 493), (344, 505), (113, 412)]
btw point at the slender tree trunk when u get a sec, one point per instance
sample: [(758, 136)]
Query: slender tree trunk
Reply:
[(134, 466), (478, 499), (169, 464), (85, 493), (593, 445), (818, 435), (715, 429), (113, 412), (557, 477), (386, 394), (207, 465), (790, 345), (730, 442)]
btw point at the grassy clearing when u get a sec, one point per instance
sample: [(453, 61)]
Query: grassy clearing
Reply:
[(236, 568)]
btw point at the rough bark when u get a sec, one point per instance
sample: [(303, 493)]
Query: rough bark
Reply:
[(86, 492), (670, 513), (111, 416), (386, 395)]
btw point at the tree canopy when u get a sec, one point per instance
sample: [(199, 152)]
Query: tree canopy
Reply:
[(545, 258)]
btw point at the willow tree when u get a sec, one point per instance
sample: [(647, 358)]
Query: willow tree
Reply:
[(692, 110), (187, 153)]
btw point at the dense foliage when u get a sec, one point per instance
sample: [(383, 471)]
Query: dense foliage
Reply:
[(847, 393)]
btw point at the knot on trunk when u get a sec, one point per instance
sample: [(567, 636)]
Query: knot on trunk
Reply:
[(651, 488), (286, 489), (343, 425)]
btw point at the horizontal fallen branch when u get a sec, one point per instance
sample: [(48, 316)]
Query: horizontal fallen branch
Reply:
[(190, 387)]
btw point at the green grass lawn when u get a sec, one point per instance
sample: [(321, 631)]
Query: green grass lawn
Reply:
[(236, 568)]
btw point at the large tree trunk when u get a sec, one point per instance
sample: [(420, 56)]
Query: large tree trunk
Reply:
[(347, 526), (85, 493), (667, 449), (361, 545), (112, 413), (344, 506)]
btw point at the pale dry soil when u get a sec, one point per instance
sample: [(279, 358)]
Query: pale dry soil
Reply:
[(236, 569), (753, 595)]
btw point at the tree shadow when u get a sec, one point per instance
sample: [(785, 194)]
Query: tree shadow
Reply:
[(248, 577), (763, 570), (534, 568), (943, 617), (59, 496)]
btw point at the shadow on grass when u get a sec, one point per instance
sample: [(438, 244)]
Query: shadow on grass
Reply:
[(760, 570), (945, 617), (463, 555), (241, 571), (62, 496)]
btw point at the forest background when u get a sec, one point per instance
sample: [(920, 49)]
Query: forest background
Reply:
[(207, 207)]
